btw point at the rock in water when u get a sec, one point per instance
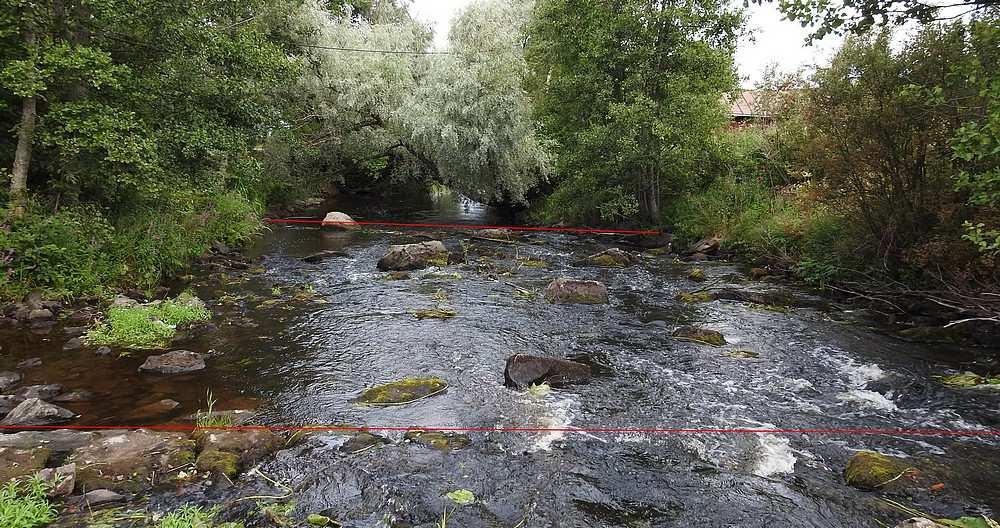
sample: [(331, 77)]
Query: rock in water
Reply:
[(403, 391), (8, 379), (316, 258), (702, 335), (407, 257), (338, 220), (566, 291), (101, 496), (36, 412), (156, 409), (7, 404), (612, 258), (128, 461), (173, 362), (440, 440), (869, 470), (42, 392), (523, 371)]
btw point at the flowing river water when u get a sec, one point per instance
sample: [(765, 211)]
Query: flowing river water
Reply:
[(299, 361)]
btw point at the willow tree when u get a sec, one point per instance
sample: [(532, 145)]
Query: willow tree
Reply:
[(630, 90), (471, 116)]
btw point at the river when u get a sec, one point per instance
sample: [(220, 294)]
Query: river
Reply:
[(299, 362)]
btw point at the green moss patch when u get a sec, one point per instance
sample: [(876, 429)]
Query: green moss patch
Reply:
[(869, 470), (967, 379), (148, 326), (435, 313), (700, 335), (440, 440), (694, 297), (402, 392), (697, 275), (216, 461)]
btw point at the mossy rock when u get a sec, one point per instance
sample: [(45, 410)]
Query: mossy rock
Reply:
[(362, 441), (16, 463), (315, 519), (533, 263), (701, 335), (967, 379), (216, 461), (435, 313), (440, 440), (397, 275), (695, 297), (402, 392), (868, 470), (697, 275)]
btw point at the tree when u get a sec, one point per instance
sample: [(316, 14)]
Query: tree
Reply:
[(630, 91)]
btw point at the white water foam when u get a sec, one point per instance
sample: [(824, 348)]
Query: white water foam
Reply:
[(869, 399), (774, 456)]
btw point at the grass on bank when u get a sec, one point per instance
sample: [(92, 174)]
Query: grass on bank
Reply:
[(23, 504), (149, 325)]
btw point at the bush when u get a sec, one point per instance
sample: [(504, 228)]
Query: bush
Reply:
[(78, 251)]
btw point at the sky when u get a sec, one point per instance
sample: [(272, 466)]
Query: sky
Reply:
[(772, 40)]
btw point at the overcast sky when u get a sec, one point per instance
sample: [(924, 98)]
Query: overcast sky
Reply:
[(774, 40)]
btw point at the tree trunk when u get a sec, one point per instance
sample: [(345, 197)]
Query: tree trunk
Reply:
[(22, 158), (22, 155)]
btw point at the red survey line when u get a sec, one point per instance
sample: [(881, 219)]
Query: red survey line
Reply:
[(846, 431), (577, 230)]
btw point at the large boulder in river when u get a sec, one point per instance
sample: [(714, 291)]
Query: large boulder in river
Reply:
[(575, 291), (405, 257), (338, 220), (8, 402), (36, 412), (130, 460), (523, 371), (174, 362)]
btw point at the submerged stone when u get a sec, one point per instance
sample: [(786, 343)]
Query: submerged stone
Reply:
[(968, 379), (742, 354), (42, 392), (694, 297), (407, 257), (522, 371), (440, 440), (174, 362), (401, 392), (565, 290), (316, 258), (701, 335), (697, 275), (435, 313), (869, 470), (612, 258)]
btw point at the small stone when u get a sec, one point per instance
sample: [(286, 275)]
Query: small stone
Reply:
[(869, 470), (8, 379), (174, 362), (697, 275), (78, 395), (39, 314), (36, 412), (30, 363), (440, 440), (701, 335), (156, 409), (101, 496), (73, 344), (60, 480), (565, 290), (103, 351), (42, 392)]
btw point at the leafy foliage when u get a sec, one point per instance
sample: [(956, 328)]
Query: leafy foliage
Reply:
[(149, 325), (630, 92), (23, 504)]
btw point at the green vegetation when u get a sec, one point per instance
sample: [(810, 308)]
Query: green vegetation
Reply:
[(211, 418), (189, 517), (149, 325), (23, 504), (402, 392)]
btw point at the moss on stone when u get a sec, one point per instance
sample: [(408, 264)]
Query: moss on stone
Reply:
[(315, 519), (608, 261), (403, 391), (440, 440), (533, 263), (966, 380), (869, 470), (742, 354), (697, 275), (439, 260), (701, 335), (694, 297), (435, 313), (215, 461)]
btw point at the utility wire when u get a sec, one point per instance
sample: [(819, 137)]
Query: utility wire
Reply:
[(388, 52)]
